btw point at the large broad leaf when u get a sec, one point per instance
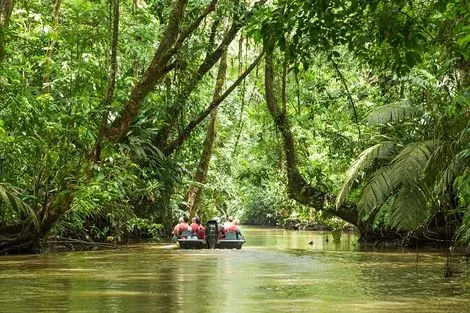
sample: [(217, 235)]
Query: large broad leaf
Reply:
[(383, 150), (459, 154), (452, 170), (391, 113), (409, 165), (409, 209), (400, 178), (379, 188)]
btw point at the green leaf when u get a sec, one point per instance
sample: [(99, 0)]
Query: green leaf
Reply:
[(383, 150), (408, 210), (392, 113)]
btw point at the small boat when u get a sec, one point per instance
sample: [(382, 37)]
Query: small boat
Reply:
[(212, 241), (191, 243)]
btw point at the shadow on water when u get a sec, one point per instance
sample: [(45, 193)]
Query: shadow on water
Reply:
[(276, 271)]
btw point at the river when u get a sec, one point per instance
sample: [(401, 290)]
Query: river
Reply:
[(276, 271)]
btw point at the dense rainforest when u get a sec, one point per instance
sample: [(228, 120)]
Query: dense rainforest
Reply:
[(117, 117)]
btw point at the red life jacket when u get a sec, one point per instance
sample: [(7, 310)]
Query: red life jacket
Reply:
[(230, 228), (194, 227), (201, 232), (183, 227)]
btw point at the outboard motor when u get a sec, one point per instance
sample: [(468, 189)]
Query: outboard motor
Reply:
[(212, 234)]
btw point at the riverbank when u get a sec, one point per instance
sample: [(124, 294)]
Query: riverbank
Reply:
[(313, 226)]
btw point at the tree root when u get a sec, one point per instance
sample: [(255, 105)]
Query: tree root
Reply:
[(72, 244)]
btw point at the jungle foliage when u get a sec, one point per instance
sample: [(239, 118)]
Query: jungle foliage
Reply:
[(116, 117)]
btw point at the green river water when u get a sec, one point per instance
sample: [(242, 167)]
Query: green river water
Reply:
[(276, 271)]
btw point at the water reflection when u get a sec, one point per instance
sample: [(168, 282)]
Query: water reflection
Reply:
[(276, 271)]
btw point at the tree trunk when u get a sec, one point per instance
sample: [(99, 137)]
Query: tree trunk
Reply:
[(195, 190), (176, 144), (172, 41), (6, 8), (25, 237), (298, 188), (154, 73), (135, 7), (210, 60)]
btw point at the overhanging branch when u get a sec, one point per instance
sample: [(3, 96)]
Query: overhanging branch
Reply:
[(298, 188), (175, 144)]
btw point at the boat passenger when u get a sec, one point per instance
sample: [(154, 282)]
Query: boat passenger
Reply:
[(183, 226), (221, 230), (201, 230), (232, 228), (194, 226), (229, 226), (236, 221), (175, 231)]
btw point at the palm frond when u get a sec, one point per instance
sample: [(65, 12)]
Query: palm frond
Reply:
[(379, 188), (424, 79), (383, 150), (391, 113), (409, 209), (10, 197), (452, 170), (409, 165)]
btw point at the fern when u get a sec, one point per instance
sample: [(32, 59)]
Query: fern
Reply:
[(391, 113), (382, 150)]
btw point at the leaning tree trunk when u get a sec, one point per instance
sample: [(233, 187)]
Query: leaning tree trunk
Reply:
[(298, 188), (172, 41), (24, 237), (195, 190)]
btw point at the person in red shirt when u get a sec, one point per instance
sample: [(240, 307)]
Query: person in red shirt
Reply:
[(176, 229), (230, 227), (183, 226), (200, 230), (180, 227), (194, 226)]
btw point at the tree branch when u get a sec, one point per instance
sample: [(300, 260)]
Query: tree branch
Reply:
[(175, 144), (298, 188), (153, 74), (209, 61), (191, 28), (351, 101)]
